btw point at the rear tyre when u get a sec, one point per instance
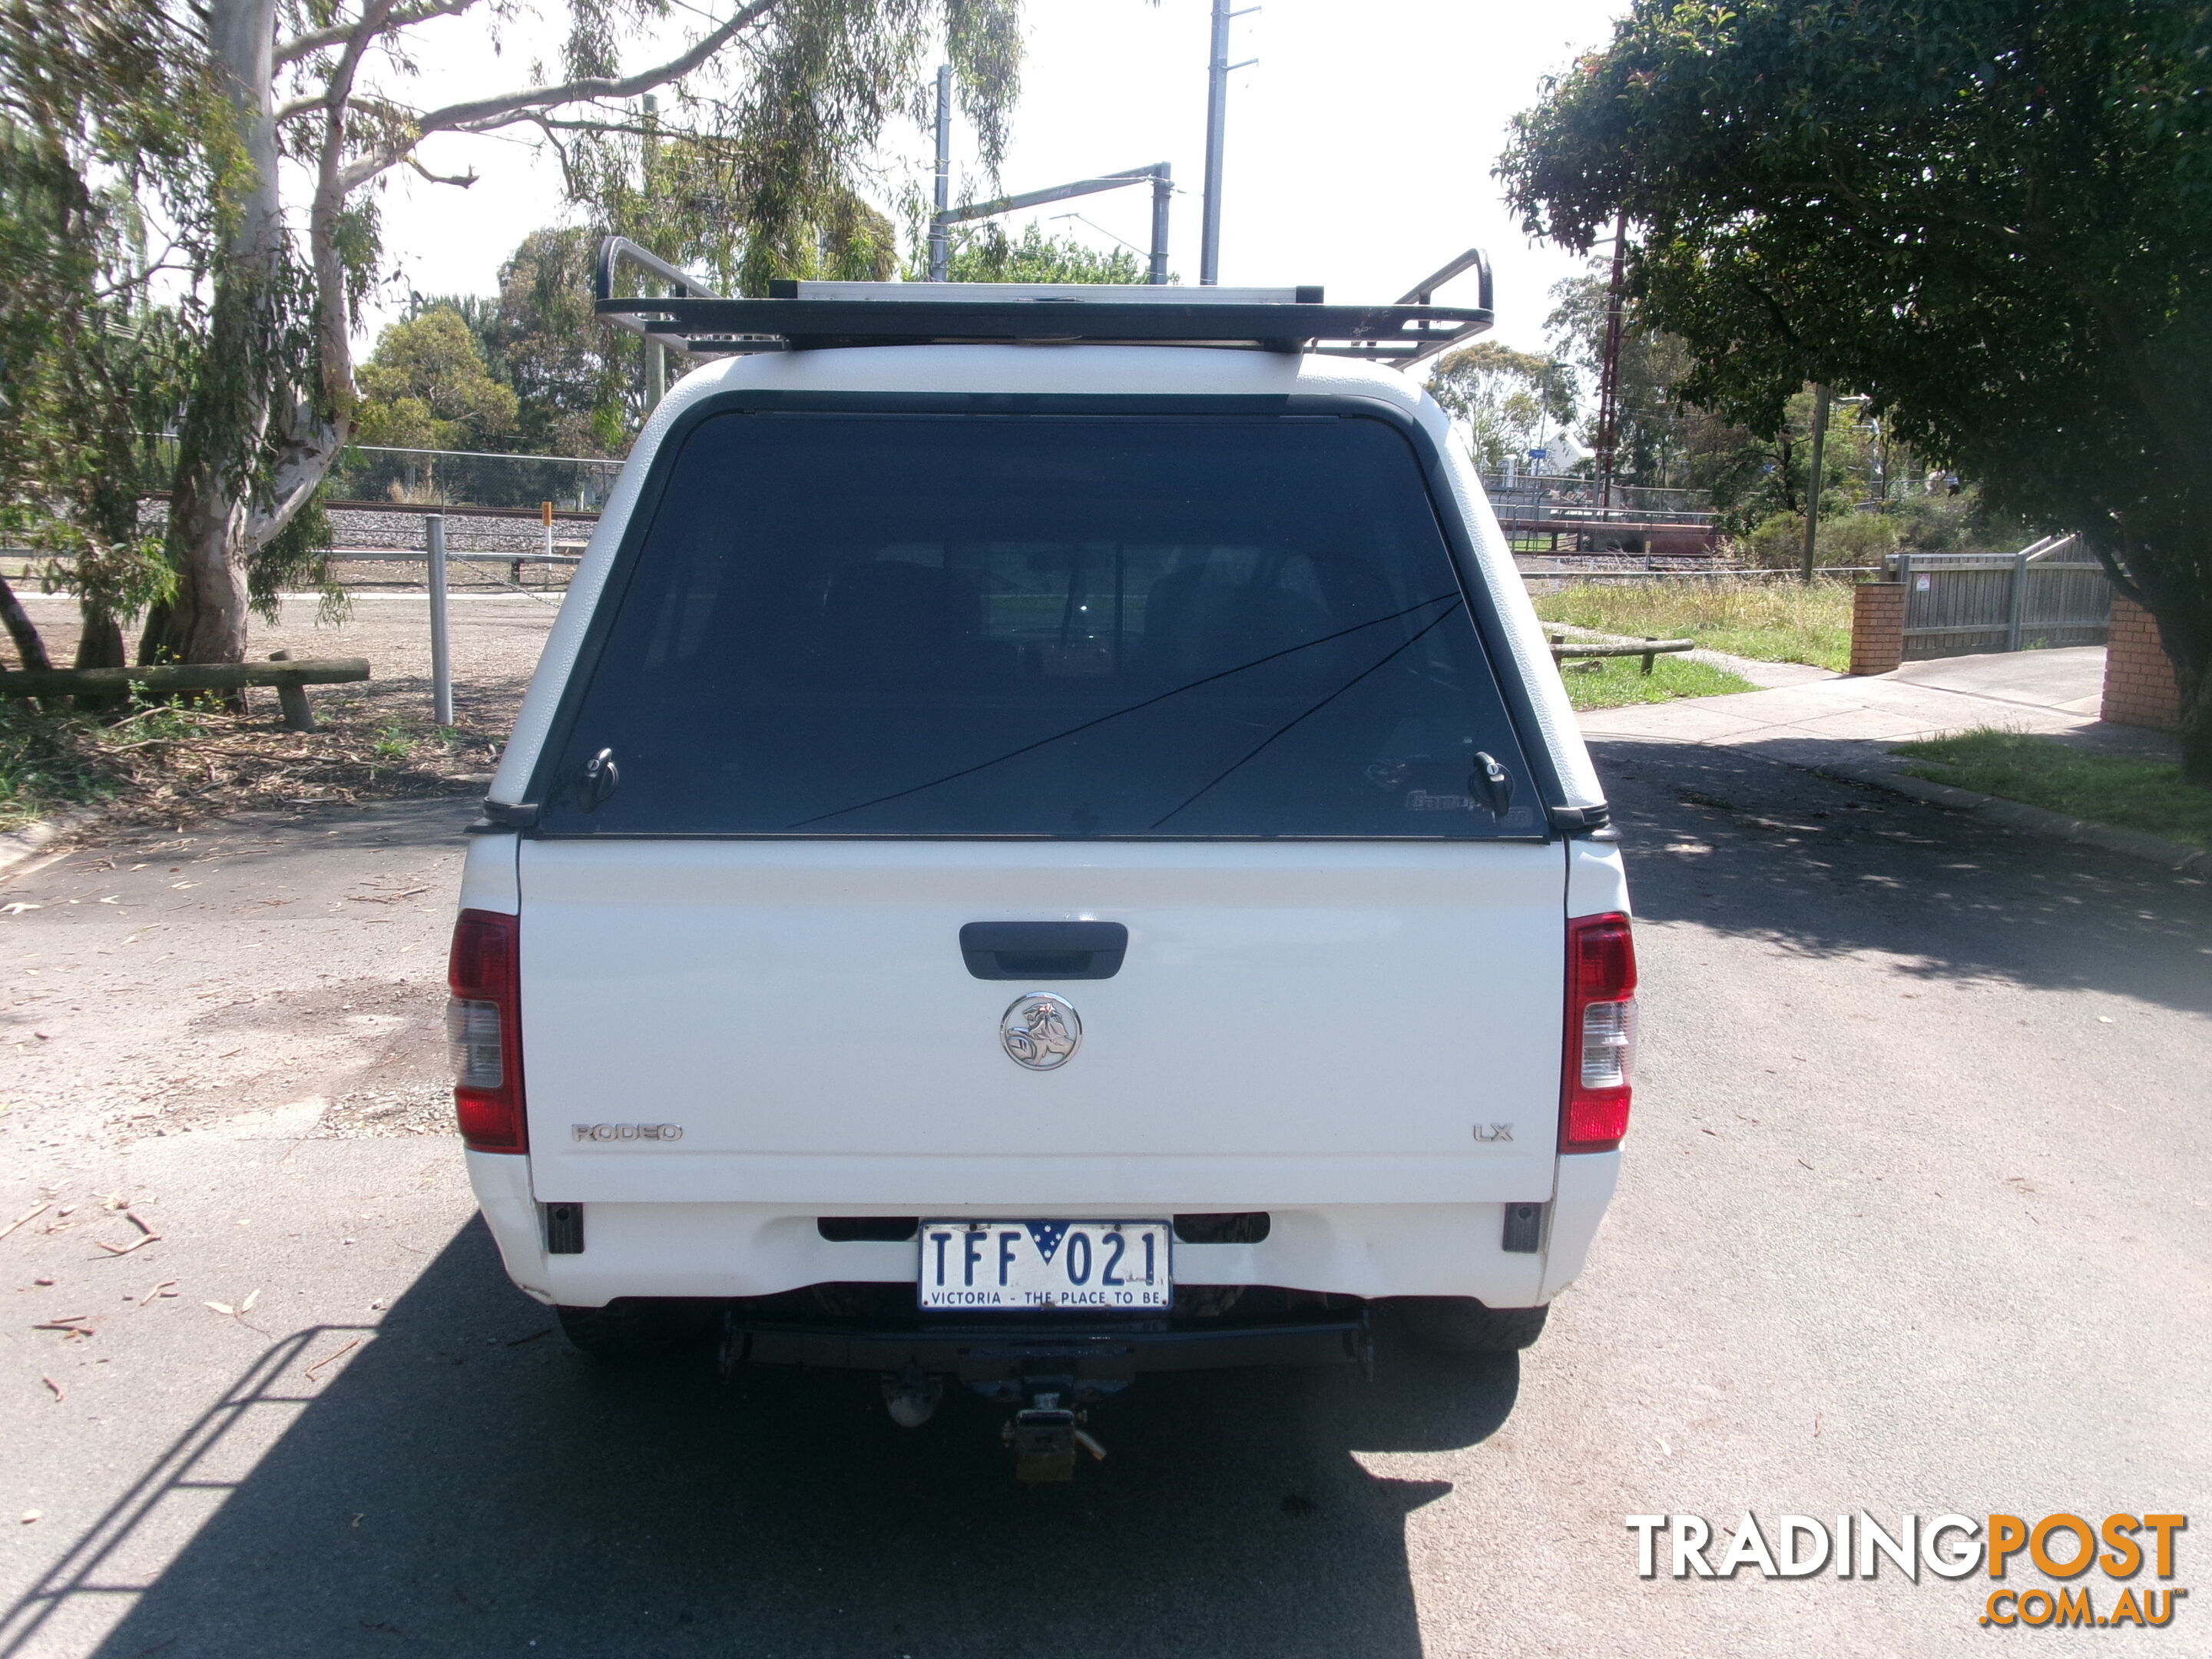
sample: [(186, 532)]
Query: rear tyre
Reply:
[(1461, 1325), (622, 1330)]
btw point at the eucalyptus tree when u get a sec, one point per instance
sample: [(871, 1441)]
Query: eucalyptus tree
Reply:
[(110, 148), (785, 99)]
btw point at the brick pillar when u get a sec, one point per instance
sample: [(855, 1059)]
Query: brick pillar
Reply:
[(1877, 627), (2139, 685)]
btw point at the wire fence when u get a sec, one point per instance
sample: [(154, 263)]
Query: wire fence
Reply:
[(450, 477), (1567, 495)]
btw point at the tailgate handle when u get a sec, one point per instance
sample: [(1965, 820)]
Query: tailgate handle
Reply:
[(1043, 950)]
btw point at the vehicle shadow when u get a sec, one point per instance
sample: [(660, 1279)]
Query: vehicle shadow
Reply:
[(461, 1484), (1732, 841)]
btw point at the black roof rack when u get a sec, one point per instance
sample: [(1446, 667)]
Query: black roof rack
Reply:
[(800, 316)]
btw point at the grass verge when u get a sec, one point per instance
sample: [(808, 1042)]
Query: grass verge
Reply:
[(2123, 790), (1616, 682), (1769, 622)]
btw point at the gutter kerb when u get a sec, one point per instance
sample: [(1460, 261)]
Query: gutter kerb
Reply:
[(2018, 815)]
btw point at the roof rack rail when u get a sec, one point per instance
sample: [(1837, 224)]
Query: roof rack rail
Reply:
[(799, 316)]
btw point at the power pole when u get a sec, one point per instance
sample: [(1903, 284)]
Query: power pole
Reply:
[(1813, 480), (1218, 70), (940, 243), (1608, 380), (656, 355)]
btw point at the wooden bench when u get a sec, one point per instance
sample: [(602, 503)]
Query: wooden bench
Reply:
[(1649, 650), (291, 677)]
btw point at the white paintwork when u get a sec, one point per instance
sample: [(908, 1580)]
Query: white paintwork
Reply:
[(502, 1182), (1597, 881), (757, 1249), (487, 875), (1314, 1029), (1295, 1022), (1586, 1183)]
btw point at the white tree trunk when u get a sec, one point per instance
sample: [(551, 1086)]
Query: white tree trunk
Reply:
[(217, 524)]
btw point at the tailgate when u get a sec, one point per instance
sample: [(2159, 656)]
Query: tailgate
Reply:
[(1293, 1023)]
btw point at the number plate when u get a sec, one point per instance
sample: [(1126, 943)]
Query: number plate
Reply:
[(1045, 1264)]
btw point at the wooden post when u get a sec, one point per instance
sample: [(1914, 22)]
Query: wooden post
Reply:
[(1814, 479), (293, 699)]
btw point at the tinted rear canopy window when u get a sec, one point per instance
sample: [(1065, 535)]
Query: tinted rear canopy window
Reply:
[(1041, 625)]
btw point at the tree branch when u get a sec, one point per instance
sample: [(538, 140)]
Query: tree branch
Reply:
[(315, 40), (486, 113), (461, 180)]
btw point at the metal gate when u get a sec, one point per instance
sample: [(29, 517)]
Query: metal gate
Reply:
[(2047, 594)]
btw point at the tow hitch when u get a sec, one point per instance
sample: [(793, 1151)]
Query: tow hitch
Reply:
[(1044, 1435)]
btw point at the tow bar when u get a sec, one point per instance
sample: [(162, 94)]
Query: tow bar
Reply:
[(1044, 1435), (1049, 1379)]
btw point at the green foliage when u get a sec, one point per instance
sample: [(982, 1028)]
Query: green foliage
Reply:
[(1944, 523), (755, 169), (575, 378), (1767, 622), (105, 114), (428, 387), (296, 557), (1994, 218), (1502, 398), (1847, 538), (45, 765), (2126, 790), (986, 254)]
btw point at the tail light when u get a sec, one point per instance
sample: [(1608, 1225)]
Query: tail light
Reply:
[(1600, 1034), (483, 1031)]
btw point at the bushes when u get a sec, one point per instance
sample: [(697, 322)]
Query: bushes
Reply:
[(1849, 538)]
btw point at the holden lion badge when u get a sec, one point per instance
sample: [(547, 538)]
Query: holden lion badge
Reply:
[(1039, 1031)]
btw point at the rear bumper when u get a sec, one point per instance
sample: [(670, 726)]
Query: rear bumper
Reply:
[(725, 1251), (1003, 1359)]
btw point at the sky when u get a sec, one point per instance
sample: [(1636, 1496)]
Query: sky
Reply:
[(1359, 152)]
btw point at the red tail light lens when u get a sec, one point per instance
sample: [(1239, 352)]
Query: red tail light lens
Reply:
[(483, 1031), (1600, 1034)]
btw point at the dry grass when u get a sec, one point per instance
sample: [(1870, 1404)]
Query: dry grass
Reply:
[(1769, 622), (174, 763)]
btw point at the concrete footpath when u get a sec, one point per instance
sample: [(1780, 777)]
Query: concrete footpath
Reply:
[(1809, 716), (1849, 725)]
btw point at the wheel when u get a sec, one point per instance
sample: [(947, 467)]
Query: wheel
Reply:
[(622, 1330), (1461, 1325)]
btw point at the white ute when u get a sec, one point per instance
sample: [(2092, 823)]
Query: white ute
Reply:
[(1045, 844)]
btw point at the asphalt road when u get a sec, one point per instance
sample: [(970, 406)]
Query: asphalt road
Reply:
[(1914, 1218)]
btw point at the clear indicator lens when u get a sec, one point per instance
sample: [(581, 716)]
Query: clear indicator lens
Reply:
[(1609, 1044), (472, 1043)]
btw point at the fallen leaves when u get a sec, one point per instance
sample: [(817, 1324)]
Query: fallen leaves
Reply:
[(166, 1287), (238, 1312), (59, 1395)]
